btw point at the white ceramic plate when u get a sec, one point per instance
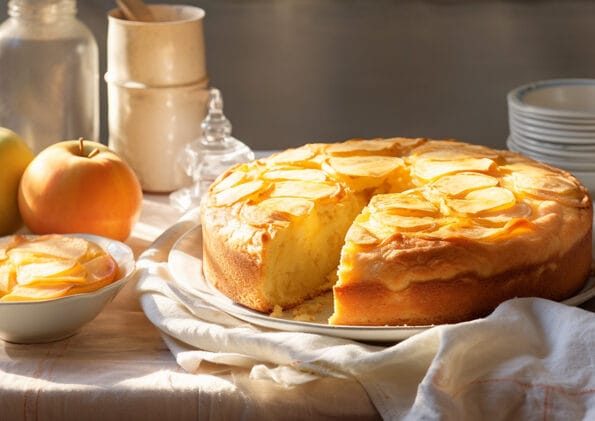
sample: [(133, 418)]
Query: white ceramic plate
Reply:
[(559, 133), (553, 139), (566, 158), (59, 318), (185, 265), (569, 98), (555, 119), (566, 164), (573, 151), (548, 123), (550, 136)]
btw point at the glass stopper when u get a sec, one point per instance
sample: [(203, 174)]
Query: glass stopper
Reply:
[(209, 156)]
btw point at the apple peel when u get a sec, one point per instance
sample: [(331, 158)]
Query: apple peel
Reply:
[(80, 187)]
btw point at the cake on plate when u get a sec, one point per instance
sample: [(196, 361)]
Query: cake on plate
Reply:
[(403, 231)]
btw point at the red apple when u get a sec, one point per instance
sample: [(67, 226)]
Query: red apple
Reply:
[(80, 186)]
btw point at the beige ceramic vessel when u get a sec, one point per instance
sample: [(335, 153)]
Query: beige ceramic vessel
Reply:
[(157, 91)]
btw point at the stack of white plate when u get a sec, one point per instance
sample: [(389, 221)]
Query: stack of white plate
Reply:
[(553, 121)]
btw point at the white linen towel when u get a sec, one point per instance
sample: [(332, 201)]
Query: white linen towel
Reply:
[(530, 359)]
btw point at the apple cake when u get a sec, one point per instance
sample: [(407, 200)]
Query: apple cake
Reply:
[(403, 231)]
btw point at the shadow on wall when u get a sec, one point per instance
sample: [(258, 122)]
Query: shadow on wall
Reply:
[(296, 71)]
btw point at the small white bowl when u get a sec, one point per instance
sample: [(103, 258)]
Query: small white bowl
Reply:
[(59, 318)]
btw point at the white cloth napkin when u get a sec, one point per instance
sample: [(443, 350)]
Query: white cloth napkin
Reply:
[(530, 359)]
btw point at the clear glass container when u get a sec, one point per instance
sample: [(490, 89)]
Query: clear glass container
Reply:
[(49, 73), (209, 156)]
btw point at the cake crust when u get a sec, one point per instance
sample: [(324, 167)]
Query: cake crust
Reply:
[(222, 263), (464, 297)]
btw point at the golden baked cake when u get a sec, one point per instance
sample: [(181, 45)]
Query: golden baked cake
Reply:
[(404, 231)]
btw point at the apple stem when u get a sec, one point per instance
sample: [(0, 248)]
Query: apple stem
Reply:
[(81, 149)]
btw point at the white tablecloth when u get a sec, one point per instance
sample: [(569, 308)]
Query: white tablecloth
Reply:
[(531, 359), (119, 368)]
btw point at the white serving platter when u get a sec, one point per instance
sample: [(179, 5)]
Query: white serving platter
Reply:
[(185, 265)]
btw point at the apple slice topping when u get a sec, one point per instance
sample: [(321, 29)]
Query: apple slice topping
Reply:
[(457, 185), (384, 226), (365, 166), (372, 146), (406, 223), (236, 193), (446, 150), (406, 204), (305, 189), (454, 190), (483, 200), (306, 174), (359, 235), (520, 210), (469, 231), (430, 169), (371, 227), (296, 155), (547, 185), (356, 146), (391, 213), (229, 180), (276, 209)]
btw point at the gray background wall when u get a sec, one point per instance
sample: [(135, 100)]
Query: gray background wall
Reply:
[(294, 71)]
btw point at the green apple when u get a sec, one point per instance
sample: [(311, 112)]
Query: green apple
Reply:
[(15, 155)]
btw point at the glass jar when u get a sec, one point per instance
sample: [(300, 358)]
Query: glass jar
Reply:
[(49, 73)]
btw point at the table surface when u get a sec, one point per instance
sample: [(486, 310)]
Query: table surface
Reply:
[(118, 367)]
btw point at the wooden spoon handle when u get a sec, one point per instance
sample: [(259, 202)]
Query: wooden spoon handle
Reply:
[(136, 10)]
